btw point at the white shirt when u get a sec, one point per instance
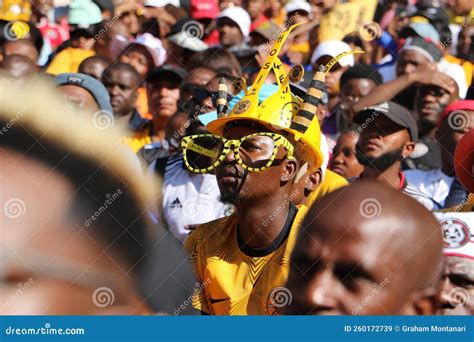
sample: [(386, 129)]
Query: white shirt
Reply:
[(188, 198), (433, 183)]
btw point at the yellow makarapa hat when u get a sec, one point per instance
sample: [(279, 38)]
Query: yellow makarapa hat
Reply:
[(281, 110)]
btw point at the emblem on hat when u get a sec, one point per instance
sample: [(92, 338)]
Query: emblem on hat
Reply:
[(456, 233)]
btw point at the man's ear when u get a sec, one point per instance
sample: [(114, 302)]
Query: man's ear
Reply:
[(422, 303), (290, 167), (313, 180), (408, 149)]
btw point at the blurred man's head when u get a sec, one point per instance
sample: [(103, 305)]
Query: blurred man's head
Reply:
[(255, 8), (18, 66), (456, 289), (431, 100), (81, 246), (388, 133), (336, 264), (138, 56), (94, 66), (163, 90), (217, 59), (415, 54), (344, 161), (23, 47), (122, 81), (233, 25), (356, 83), (197, 78)]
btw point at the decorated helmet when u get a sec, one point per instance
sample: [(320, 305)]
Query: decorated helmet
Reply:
[(282, 110)]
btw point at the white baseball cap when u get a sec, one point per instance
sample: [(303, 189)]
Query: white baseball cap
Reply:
[(456, 72), (240, 17), (298, 5), (161, 3), (333, 48)]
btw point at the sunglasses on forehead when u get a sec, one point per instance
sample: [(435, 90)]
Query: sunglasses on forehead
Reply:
[(255, 152)]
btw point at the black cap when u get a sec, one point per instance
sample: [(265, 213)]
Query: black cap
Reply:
[(167, 69), (398, 114)]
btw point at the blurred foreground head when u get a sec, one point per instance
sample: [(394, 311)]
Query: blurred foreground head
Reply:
[(73, 229), (366, 250)]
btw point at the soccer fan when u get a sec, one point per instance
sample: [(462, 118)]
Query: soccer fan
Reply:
[(252, 152), (388, 133), (94, 66), (344, 161), (336, 266), (233, 24)]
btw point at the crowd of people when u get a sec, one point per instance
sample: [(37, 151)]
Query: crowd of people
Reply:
[(237, 157)]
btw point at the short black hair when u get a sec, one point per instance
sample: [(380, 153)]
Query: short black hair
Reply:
[(125, 68), (361, 71), (216, 59), (94, 59)]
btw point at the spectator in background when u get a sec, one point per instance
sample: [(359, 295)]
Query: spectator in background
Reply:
[(68, 60), (455, 121), (85, 92), (388, 134), (332, 273), (122, 81), (94, 66), (23, 47), (256, 10), (217, 59), (275, 12), (233, 25), (197, 79), (355, 83), (298, 11), (127, 12), (344, 161), (321, 56), (163, 96)]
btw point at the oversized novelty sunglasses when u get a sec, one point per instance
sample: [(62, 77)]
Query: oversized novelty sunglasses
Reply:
[(254, 152)]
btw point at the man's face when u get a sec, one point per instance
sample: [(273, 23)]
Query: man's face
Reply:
[(352, 91), (255, 7), (410, 61), (137, 57), (122, 87), (80, 97), (163, 95), (381, 136), (23, 47), (229, 32), (197, 78), (465, 47), (333, 76), (456, 289), (239, 186), (430, 102), (332, 274), (130, 19), (344, 161)]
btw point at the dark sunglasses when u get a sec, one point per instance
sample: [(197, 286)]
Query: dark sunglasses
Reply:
[(200, 94)]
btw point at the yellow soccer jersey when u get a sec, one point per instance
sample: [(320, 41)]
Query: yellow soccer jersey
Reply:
[(237, 279)]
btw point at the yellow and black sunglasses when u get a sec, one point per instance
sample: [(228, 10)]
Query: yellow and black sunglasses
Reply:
[(255, 152)]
